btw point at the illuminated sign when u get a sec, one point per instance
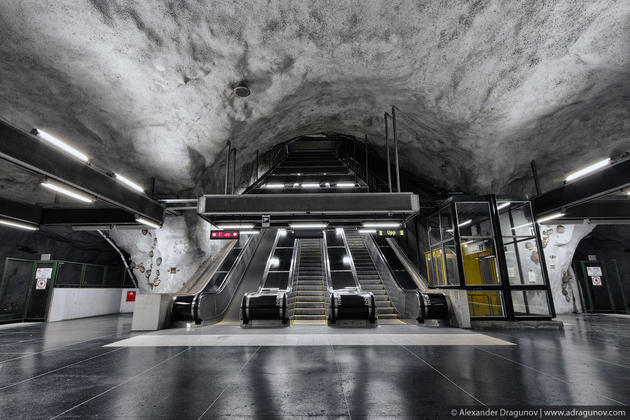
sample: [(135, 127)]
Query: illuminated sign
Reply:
[(390, 232), (224, 234)]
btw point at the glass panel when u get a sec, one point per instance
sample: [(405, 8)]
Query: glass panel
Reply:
[(282, 259), (338, 259), (530, 303), (215, 282), (333, 238), (69, 274), (523, 262), (485, 303), (341, 279), (452, 275), (286, 239), (480, 263), (515, 219), (93, 275), (473, 219), (447, 224), (277, 280), (113, 277), (436, 261), (228, 262), (433, 228)]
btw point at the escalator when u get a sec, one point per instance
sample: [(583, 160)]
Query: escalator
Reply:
[(368, 276), (308, 300), (239, 271)]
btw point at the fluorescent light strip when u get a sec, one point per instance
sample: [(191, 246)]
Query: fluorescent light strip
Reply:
[(274, 186), (504, 205), (345, 185), (59, 144), (587, 170), (467, 222), (129, 182), (520, 226), (550, 217), (70, 192), (147, 222), (245, 226), (178, 200), (367, 230), (308, 225), (310, 185), (249, 232), (18, 225), (380, 225)]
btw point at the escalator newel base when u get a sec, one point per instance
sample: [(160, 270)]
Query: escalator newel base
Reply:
[(432, 306), (352, 307), (267, 308)]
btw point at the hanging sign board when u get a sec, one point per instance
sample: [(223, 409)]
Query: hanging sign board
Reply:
[(594, 271), (390, 233), (224, 234)]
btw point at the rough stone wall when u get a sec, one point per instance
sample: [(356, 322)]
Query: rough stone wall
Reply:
[(560, 243), (164, 259)]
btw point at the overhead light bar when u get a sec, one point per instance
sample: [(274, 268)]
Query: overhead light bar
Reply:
[(274, 186), (504, 205), (148, 222), (550, 217), (59, 144), (467, 222), (345, 185), (381, 225), (523, 225), (367, 230), (308, 225), (178, 200), (249, 232), (587, 170), (69, 191), (310, 185), (17, 225), (235, 226), (129, 182)]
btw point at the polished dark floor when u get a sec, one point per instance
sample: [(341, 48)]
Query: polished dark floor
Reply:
[(62, 370)]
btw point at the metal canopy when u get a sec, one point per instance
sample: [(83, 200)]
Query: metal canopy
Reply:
[(27, 151), (341, 208), (610, 179)]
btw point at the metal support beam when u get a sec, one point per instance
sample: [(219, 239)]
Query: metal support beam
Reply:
[(396, 148), (233, 171), (86, 217), (535, 175), (367, 172), (21, 212), (610, 179), (28, 152), (598, 209), (389, 166), (227, 166)]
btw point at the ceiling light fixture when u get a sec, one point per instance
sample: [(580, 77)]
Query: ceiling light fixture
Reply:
[(147, 222), (310, 185), (249, 232), (241, 89), (550, 217), (367, 230), (129, 182), (59, 144), (587, 170), (70, 192), (235, 226), (381, 225), (504, 205), (345, 185), (308, 225), (274, 186), (17, 225)]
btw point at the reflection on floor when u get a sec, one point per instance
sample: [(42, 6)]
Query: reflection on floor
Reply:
[(66, 369)]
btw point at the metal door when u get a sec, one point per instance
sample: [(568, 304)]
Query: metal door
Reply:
[(600, 286)]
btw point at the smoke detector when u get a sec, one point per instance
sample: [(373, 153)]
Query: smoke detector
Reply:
[(241, 89)]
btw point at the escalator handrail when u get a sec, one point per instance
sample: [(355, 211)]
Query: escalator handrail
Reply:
[(237, 261), (211, 268), (421, 282), (355, 276), (389, 267)]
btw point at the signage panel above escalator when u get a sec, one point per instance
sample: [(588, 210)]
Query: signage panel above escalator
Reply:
[(224, 234)]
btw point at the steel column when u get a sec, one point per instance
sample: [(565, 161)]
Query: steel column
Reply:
[(389, 166), (396, 148), (227, 166)]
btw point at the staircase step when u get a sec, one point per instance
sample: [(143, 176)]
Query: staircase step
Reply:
[(309, 317), (310, 311)]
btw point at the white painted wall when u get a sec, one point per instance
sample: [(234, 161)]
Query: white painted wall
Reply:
[(71, 303)]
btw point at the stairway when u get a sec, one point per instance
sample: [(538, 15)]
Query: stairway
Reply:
[(309, 288), (368, 277)]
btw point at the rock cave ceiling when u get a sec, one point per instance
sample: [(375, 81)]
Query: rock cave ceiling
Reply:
[(483, 87)]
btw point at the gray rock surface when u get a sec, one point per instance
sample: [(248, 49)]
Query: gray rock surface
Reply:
[(483, 87)]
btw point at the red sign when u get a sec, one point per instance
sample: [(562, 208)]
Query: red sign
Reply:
[(131, 295), (224, 234)]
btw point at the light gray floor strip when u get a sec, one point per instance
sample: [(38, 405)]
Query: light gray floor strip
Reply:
[(179, 340)]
